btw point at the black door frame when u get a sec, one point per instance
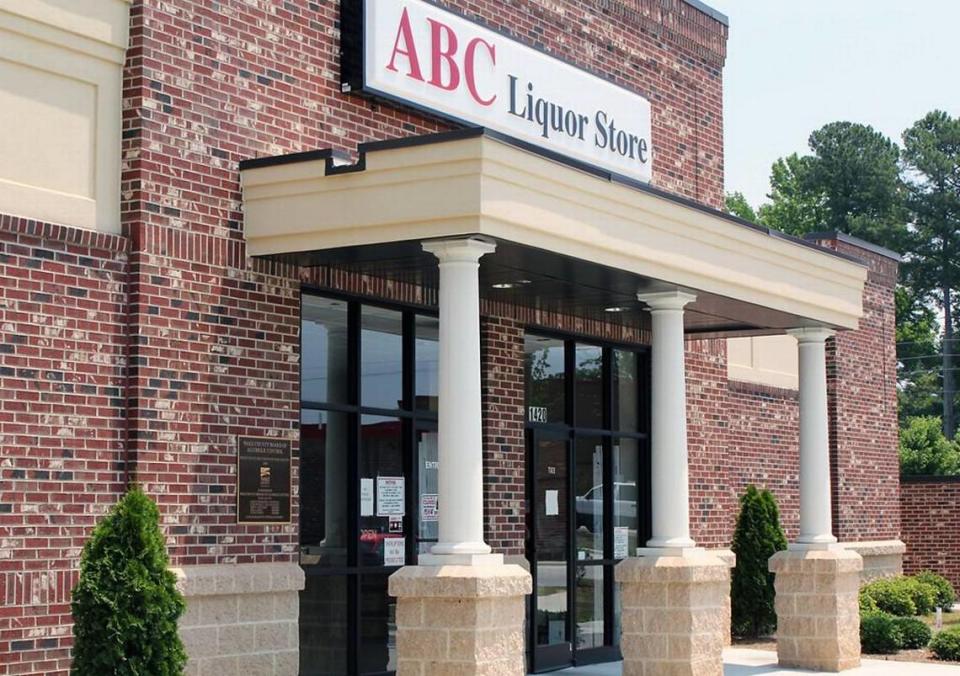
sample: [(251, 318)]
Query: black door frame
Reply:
[(412, 421), (551, 658)]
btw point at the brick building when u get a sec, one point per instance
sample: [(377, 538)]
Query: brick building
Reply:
[(219, 238)]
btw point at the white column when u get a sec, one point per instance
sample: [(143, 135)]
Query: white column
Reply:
[(460, 478), (670, 489), (816, 524)]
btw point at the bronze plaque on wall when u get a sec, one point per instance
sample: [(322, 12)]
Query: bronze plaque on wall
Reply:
[(263, 480)]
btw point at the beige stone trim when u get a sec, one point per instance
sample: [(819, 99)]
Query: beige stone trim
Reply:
[(61, 82), (483, 186), (881, 558), (242, 619), (764, 360)]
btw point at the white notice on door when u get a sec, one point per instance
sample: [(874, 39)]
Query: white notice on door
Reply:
[(552, 507), (394, 551), (621, 542), (366, 497), (390, 496)]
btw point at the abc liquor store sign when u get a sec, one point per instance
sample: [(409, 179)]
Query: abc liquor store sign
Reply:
[(416, 53)]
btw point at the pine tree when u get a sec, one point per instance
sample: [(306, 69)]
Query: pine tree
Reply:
[(126, 605), (757, 537)]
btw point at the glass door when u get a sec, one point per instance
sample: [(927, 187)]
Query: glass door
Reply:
[(588, 495), (551, 645)]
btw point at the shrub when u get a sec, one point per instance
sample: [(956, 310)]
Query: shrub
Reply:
[(924, 595), (946, 596), (879, 634), (915, 633), (892, 596), (757, 537), (946, 645), (126, 605), (867, 604), (925, 451)]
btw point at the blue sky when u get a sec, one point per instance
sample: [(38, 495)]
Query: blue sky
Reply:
[(795, 65)]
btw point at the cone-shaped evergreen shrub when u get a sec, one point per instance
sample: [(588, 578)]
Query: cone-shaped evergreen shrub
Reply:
[(758, 536), (126, 605)]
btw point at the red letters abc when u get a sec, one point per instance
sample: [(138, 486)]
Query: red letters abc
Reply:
[(444, 50)]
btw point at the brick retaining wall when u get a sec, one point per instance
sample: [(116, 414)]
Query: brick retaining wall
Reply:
[(930, 509)]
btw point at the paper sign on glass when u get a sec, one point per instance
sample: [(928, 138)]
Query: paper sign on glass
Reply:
[(394, 551), (552, 503), (366, 497), (621, 542), (428, 507), (390, 496)]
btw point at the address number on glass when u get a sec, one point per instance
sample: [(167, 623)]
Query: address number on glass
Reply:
[(537, 414)]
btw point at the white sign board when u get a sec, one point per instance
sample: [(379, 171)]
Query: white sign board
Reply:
[(621, 542), (366, 497), (428, 507), (419, 54), (390, 498), (394, 551)]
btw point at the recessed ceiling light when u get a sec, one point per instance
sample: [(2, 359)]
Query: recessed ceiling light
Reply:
[(615, 308), (506, 285)]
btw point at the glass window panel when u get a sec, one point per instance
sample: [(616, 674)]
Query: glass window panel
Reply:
[(381, 466), (553, 542), (626, 391), (626, 502), (588, 480), (429, 471), (381, 358), (589, 606), (323, 626), (545, 372), (323, 494), (324, 350), (589, 386), (427, 362), (378, 626)]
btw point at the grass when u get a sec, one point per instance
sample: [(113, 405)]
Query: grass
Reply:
[(951, 619)]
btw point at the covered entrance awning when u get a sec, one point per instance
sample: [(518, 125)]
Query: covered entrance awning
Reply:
[(569, 238)]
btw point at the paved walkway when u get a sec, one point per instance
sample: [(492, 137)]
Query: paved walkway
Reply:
[(741, 662)]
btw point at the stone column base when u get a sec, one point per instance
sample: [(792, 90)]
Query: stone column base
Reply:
[(460, 620), (728, 557), (674, 610), (818, 614), (241, 620)]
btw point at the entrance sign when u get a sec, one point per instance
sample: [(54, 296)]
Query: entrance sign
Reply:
[(263, 480), (417, 53)]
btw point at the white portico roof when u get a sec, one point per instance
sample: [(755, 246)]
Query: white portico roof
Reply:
[(474, 183)]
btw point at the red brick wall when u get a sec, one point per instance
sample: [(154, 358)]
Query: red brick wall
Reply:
[(504, 446), (62, 426), (738, 434), (864, 431), (930, 510)]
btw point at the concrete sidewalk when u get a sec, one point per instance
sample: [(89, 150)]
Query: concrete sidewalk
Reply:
[(743, 662)]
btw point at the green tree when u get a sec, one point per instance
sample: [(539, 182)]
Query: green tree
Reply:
[(932, 160), (757, 537), (796, 206), (918, 356), (737, 204), (925, 451), (126, 605), (850, 183)]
